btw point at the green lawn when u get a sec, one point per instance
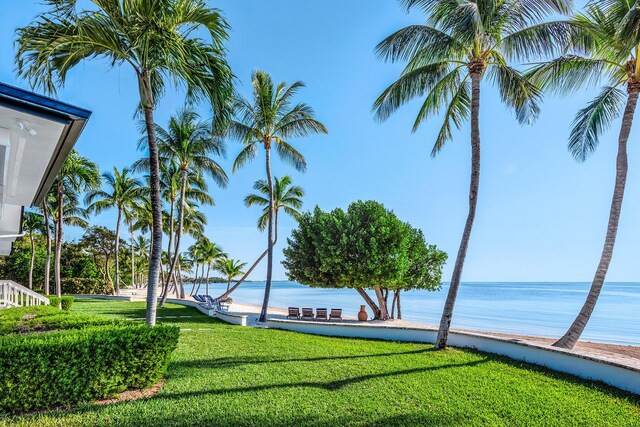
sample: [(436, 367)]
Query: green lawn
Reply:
[(231, 375)]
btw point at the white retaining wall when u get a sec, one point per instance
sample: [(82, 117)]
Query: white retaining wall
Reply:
[(591, 368)]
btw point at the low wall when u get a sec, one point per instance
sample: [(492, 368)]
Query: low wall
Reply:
[(592, 368)]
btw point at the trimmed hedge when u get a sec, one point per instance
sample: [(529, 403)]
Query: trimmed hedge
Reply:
[(91, 358), (64, 302), (78, 285)]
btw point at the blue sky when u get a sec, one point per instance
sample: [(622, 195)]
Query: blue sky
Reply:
[(541, 215)]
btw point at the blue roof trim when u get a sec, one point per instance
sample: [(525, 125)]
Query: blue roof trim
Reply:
[(40, 105)]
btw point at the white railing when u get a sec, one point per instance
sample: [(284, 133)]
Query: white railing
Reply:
[(14, 295)]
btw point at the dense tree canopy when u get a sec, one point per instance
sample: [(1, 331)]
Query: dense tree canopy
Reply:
[(365, 247)]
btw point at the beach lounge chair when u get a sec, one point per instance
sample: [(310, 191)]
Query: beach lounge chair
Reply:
[(321, 314), (307, 313), (336, 314), (294, 313)]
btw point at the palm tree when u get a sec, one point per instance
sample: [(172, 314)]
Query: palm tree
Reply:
[(211, 254), (45, 208), (123, 193), (189, 142), (32, 223), (77, 174), (270, 121), (605, 48), (160, 40), (286, 196), (230, 268), (447, 59)]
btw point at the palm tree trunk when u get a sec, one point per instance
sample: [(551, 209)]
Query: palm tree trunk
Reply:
[(195, 280), (574, 332), (56, 259), (118, 251), (255, 264), (133, 260), (267, 287), (171, 226), (156, 209), (228, 283), (183, 188), (208, 270), (47, 263), (393, 303), (181, 283), (399, 317), (32, 260), (447, 313)]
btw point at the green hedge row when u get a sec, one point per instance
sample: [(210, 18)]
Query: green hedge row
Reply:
[(84, 359), (78, 285), (64, 302)]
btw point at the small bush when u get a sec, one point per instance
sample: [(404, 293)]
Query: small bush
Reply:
[(78, 285), (42, 370)]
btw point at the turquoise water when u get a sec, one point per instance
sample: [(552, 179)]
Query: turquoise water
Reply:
[(539, 309)]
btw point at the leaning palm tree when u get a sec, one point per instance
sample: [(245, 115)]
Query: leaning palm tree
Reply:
[(77, 174), (271, 121), (286, 196), (32, 223), (190, 143), (231, 268), (604, 50), (159, 39), (462, 44), (123, 193)]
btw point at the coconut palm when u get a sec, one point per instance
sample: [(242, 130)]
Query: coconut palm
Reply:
[(45, 208), (270, 121), (462, 44), (231, 268), (123, 193), (78, 174), (189, 142), (286, 196), (604, 50), (32, 223), (162, 41), (211, 254)]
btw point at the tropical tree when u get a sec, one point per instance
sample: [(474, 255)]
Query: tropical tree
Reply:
[(271, 121), (211, 254), (231, 268), (189, 142), (123, 193), (605, 49), (78, 174), (462, 44), (159, 39), (46, 209), (286, 196), (32, 223)]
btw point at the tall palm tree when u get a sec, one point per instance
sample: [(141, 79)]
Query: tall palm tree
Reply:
[(271, 121), (230, 268), (159, 39), (286, 196), (123, 193), (462, 44), (46, 209), (211, 254), (32, 223), (605, 49), (189, 142), (77, 174)]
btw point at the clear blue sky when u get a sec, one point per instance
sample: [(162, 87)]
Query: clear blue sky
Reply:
[(541, 215)]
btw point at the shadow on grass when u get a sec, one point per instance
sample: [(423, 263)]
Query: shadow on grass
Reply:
[(328, 386)]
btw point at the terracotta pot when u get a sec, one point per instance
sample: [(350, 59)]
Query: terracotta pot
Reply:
[(362, 314)]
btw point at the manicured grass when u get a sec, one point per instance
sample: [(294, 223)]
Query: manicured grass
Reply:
[(230, 375)]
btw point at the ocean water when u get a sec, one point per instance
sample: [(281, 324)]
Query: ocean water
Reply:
[(534, 308)]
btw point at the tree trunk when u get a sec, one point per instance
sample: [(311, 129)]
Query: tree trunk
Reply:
[(56, 259), (370, 302), (447, 313), (156, 208), (208, 271), (228, 283), (267, 288), (399, 317), (47, 263), (32, 260), (117, 246), (393, 303), (384, 313), (176, 255), (181, 283), (195, 280), (574, 332), (133, 260)]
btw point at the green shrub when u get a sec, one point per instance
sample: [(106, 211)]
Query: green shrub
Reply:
[(42, 370), (79, 285), (42, 318)]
